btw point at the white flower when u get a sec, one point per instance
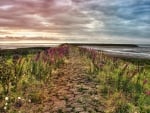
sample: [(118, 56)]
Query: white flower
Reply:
[(29, 100), (5, 108), (19, 98), (6, 104), (6, 98)]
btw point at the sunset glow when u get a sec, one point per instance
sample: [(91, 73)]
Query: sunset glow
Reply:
[(118, 21)]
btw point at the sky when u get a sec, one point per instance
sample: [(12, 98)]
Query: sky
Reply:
[(100, 21)]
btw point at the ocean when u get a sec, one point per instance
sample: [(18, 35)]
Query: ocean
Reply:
[(142, 52)]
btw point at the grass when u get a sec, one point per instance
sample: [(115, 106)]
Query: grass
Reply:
[(124, 83), (22, 75)]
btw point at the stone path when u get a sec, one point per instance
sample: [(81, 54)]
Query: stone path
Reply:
[(73, 91)]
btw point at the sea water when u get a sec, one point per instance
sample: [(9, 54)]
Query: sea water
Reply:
[(142, 51)]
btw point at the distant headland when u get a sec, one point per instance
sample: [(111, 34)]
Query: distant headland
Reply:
[(101, 44)]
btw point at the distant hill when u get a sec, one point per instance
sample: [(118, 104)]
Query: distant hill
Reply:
[(97, 44)]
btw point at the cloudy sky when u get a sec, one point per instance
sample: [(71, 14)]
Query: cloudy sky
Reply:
[(101, 21)]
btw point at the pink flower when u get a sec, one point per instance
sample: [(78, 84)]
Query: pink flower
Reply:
[(37, 57), (144, 81), (147, 93)]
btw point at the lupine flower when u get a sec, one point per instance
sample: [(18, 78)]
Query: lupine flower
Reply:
[(37, 57), (147, 93), (144, 81), (101, 64)]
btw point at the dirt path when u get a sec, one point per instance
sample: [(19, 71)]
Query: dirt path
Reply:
[(73, 91)]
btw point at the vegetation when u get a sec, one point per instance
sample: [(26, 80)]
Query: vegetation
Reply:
[(19, 72), (123, 83)]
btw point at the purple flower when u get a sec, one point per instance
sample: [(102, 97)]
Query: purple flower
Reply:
[(37, 57), (147, 93), (144, 81)]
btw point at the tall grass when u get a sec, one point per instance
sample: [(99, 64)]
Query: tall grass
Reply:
[(124, 77), (19, 72)]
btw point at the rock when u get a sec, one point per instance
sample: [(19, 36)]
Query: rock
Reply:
[(79, 109), (68, 110)]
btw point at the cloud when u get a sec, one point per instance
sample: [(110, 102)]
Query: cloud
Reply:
[(77, 18), (129, 18)]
